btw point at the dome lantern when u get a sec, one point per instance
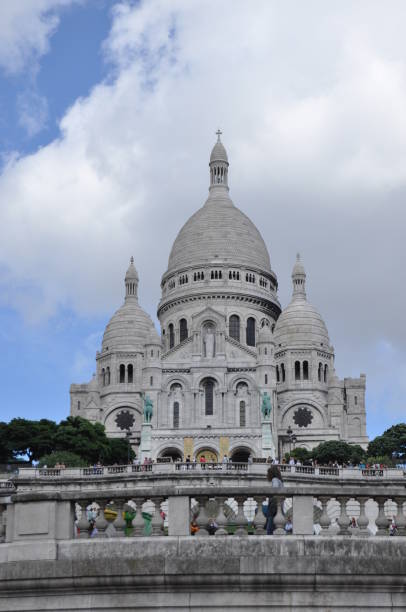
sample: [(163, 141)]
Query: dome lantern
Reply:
[(299, 280), (131, 281), (218, 165)]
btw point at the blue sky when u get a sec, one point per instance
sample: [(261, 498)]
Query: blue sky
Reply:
[(107, 116)]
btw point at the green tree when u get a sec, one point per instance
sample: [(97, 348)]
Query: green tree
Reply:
[(337, 450), (62, 457), (5, 450), (119, 451), (391, 443), (301, 453), (31, 438), (79, 436)]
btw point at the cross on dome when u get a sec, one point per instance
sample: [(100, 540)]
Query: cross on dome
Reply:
[(219, 133)]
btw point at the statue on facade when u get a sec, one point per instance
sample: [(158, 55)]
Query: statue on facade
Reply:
[(148, 412), (266, 406), (209, 342)]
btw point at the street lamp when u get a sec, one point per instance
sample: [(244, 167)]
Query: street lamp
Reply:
[(291, 437)]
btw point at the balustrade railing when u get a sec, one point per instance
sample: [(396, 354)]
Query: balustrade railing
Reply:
[(257, 467), (241, 514)]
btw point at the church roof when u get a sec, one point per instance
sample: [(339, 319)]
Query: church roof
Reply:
[(130, 326), (300, 324), (219, 231)]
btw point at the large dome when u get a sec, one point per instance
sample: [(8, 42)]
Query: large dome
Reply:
[(219, 232), (299, 323)]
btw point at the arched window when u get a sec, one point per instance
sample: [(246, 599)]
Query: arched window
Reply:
[(242, 414), (78, 405), (122, 373), (152, 352), (234, 327), (297, 370), (183, 329), (265, 351), (130, 373), (251, 331), (355, 400), (283, 374), (266, 379), (305, 370), (320, 372), (103, 377), (325, 373), (107, 376), (171, 336), (176, 415), (151, 381), (277, 374), (208, 387)]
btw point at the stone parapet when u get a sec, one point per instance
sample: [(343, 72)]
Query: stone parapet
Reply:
[(186, 573)]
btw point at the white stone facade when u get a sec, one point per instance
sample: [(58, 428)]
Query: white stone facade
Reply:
[(224, 343)]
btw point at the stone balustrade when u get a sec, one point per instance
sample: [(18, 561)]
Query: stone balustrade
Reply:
[(139, 509), (288, 471)]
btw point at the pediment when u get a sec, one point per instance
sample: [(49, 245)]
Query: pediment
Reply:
[(208, 314), (180, 352), (238, 351)]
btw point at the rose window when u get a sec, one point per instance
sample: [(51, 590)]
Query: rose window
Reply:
[(125, 419), (303, 417)]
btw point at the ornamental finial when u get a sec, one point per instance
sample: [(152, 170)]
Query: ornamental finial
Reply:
[(219, 133)]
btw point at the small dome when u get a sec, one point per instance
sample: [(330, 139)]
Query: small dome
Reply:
[(300, 324), (129, 328), (218, 153), (131, 273)]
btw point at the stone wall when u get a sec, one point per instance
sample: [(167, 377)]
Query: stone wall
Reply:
[(212, 573)]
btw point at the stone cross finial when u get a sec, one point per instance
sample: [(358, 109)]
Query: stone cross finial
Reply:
[(218, 133), (131, 259), (297, 256)]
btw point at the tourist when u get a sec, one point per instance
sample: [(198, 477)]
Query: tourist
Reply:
[(193, 527), (212, 526), (225, 459), (289, 527), (393, 528), (275, 478)]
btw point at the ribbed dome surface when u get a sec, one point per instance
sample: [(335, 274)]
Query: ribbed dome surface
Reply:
[(129, 327), (218, 153), (219, 232), (301, 325)]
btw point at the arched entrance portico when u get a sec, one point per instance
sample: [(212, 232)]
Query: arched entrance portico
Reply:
[(240, 455), (209, 454), (173, 453)]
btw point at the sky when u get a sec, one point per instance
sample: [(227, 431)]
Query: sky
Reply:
[(108, 113)]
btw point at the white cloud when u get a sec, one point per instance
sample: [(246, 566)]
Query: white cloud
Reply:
[(311, 100), (32, 111), (25, 29)]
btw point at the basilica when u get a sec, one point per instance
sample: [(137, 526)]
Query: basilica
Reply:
[(226, 350)]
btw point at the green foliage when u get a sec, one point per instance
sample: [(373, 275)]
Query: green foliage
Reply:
[(5, 449), (302, 454), (44, 440), (31, 438), (79, 436), (380, 459), (337, 450), (62, 457), (391, 443), (119, 451)]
